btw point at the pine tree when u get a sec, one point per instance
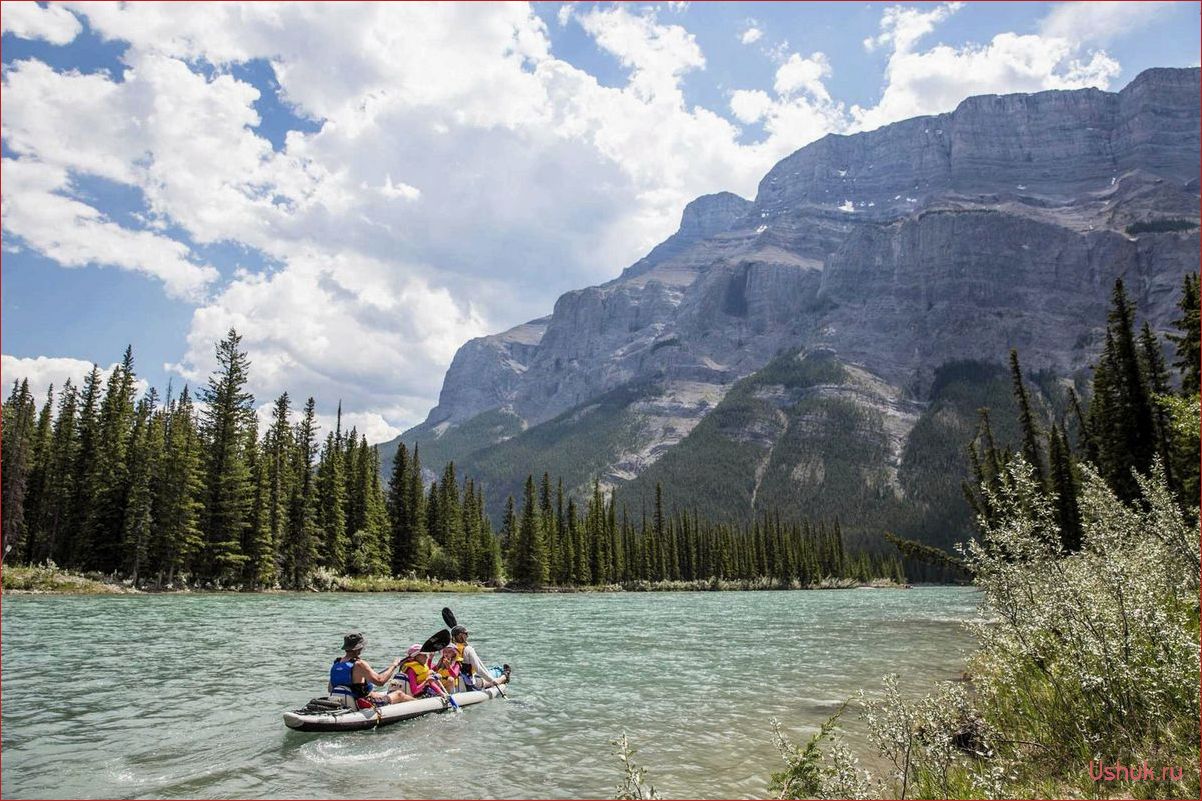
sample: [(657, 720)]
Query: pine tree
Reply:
[(59, 481), (1189, 353), (18, 430), (143, 466), (279, 444), (1121, 414), (259, 569), (509, 539), (398, 512), (84, 484), (331, 499), (39, 495), (1063, 485), (228, 491), (301, 547), (1030, 431), (531, 568), (110, 470), (417, 516), (180, 490), (1156, 378)]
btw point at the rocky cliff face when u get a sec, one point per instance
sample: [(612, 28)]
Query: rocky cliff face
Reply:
[(1001, 224)]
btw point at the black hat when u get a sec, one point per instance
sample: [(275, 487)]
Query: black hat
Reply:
[(353, 642)]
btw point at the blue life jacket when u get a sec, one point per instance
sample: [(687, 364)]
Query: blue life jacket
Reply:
[(341, 683)]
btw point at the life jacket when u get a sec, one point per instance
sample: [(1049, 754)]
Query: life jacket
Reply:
[(465, 667), (450, 671), (418, 674), (342, 682)]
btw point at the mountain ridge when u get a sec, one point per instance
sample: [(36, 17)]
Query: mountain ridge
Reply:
[(935, 239)]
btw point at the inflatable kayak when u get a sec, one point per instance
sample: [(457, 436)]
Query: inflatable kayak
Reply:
[(328, 714)]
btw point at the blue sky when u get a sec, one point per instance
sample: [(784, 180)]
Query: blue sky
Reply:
[(360, 189)]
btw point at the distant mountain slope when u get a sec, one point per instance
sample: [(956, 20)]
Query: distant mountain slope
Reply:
[(890, 254)]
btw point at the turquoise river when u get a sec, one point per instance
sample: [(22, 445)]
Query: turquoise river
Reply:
[(180, 696)]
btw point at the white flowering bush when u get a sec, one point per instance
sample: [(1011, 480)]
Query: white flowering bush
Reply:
[(811, 772), (1092, 655), (1085, 656)]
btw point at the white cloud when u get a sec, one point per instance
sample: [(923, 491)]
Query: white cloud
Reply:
[(76, 235), (935, 80), (42, 371), (399, 190), (751, 35), (27, 20), (1099, 23), (424, 211), (903, 26), (336, 326), (657, 54), (805, 75)]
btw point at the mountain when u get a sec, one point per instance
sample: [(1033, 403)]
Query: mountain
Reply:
[(822, 349)]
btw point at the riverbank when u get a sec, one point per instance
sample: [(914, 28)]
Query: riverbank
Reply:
[(50, 579)]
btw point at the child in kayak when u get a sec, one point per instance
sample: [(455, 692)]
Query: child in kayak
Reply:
[(448, 668), (418, 677), (352, 679)]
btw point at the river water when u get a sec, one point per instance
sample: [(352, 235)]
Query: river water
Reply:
[(167, 696)]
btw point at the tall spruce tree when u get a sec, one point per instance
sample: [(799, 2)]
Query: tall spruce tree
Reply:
[(300, 551), (1026, 419), (181, 489), (1121, 415), (143, 465), (227, 415), (1189, 352), (17, 447), (110, 470), (331, 498)]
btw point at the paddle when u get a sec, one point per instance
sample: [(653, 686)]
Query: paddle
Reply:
[(448, 617)]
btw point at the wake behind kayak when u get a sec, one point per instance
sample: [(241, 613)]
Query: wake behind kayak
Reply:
[(327, 713)]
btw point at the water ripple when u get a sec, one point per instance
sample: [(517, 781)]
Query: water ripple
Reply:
[(181, 696)]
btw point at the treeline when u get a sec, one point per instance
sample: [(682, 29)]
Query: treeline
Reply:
[(187, 490), (548, 544), (554, 541), (1134, 418)]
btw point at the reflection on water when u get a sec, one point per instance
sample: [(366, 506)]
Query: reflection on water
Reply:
[(182, 695)]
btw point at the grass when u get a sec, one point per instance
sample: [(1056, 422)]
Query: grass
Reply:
[(49, 578)]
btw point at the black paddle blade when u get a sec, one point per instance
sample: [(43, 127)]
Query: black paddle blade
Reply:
[(448, 617), (437, 642)]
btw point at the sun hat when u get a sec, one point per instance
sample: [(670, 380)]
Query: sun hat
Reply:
[(413, 650), (353, 641)]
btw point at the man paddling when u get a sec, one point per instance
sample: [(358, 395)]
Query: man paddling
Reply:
[(471, 669), (352, 678)]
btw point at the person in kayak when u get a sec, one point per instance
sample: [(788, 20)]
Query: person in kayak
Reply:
[(448, 668), (352, 678), (471, 669), (419, 677)]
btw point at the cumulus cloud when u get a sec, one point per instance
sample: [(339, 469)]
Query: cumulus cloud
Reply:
[(935, 80), (1099, 23), (657, 54), (751, 34), (53, 23), (424, 210), (76, 235), (43, 371)]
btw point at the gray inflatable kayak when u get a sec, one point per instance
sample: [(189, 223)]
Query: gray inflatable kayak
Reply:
[(328, 714)]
